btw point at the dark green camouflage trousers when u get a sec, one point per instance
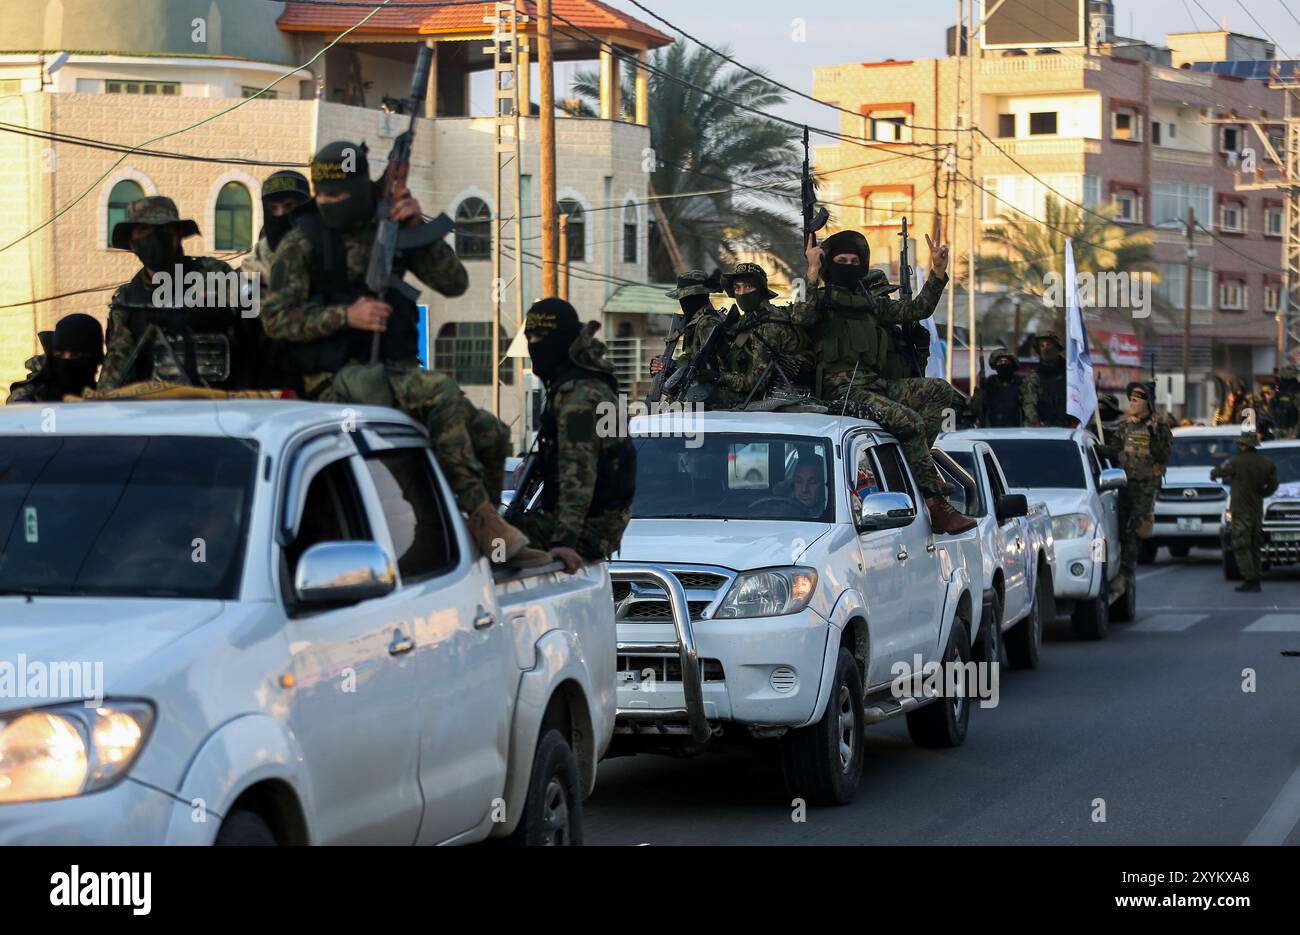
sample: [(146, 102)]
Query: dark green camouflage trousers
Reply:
[(904, 423), (1247, 545), (600, 537), (471, 445), (1137, 500), (942, 407)]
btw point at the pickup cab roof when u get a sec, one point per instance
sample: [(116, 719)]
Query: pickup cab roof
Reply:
[(818, 424), (1035, 433)]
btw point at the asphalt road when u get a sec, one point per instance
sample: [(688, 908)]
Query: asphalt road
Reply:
[(1153, 720)]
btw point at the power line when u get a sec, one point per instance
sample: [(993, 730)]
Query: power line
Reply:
[(91, 143)]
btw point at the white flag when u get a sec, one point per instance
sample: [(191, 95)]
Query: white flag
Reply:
[(935, 364), (1081, 390)]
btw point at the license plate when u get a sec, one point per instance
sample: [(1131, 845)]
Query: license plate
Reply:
[(1189, 524), (1286, 537)]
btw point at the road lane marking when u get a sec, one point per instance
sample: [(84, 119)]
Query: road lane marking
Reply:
[(1275, 623), (1282, 815), (1143, 576), (1167, 623)]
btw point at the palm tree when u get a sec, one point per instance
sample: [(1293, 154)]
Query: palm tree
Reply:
[(1026, 251), (704, 143)]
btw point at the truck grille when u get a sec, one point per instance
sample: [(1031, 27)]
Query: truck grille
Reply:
[(661, 610), (1283, 512), (668, 668), (1185, 494), (646, 603)]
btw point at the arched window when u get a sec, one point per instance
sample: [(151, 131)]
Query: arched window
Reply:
[(577, 230), (119, 199), (473, 229), (629, 233), (463, 351), (234, 218)]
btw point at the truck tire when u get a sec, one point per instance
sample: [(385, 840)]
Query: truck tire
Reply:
[(1091, 617), (553, 809), (1147, 551), (243, 828), (1124, 609), (943, 723), (1230, 569), (823, 762), (989, 647), (1024, 641)]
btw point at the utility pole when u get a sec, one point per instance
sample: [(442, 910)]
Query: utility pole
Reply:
[(1187, 311), (971, 106), (546, 137)]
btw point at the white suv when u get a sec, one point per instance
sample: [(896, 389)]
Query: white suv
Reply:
[(1189, 505)]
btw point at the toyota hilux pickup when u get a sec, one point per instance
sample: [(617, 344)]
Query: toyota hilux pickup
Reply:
[(265, 622), (1067, 470), (1281, 527), (805, 596), (1189, 505), (1016, 539)]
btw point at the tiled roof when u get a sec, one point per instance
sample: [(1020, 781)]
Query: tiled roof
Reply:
[(599, 18)]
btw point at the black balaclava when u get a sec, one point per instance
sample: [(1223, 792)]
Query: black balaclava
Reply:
[(343, 168), (285, 186), (1004, 368), (80, 335), (691, 304), (1051, 354), (158, 250), (752, 301), (844, 275), (557, 322)]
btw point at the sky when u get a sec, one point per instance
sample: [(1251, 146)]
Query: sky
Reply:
[(761, 33)]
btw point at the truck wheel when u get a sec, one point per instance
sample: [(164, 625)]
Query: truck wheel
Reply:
[(1124, 610), (1230, 569), (1091, 617), (1147, 551), (553, 810), (943, 723), (989, 647), (1025, 640), (243, 828), (823, 762), (1179, 551)]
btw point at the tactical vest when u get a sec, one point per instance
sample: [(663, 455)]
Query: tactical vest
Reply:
[(851, 335), (330, 285), (615, 469), (1002, 403), (208, 344), (1052, 396)]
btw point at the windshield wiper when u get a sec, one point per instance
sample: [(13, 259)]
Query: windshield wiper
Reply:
[(33, 592), (684, 516)]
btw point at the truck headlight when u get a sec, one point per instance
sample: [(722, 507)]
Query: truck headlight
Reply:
[(69, 750), (769, 593), (1071, 526)]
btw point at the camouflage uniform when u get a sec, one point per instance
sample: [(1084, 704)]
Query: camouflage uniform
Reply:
[(588, 470), (1283, 410), (1251, 477), (471, 445), (848, 333), (999, 403), (35, 387), (765, 337), (1141, 447)]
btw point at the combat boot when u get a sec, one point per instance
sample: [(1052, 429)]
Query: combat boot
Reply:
[(502, 543), (944, 519), (1248, 587)]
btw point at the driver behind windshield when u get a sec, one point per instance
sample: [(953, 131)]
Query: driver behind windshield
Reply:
[(809, 484)]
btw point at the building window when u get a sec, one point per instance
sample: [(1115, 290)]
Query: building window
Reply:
[(1273, 221), (463, 349), (890, 130), (1230, 140), (885, 208), (1129, 203), (577, 230), (1155, 132), (234, 218), (629, 234), (473, 229), (1043, 123), (1170, 201), (1232, 294), (1006, 126), (246, 91), (165, 88), (1272, 297), (119, 199), (1232, 217), (1019, 195), (1172, 286), (1126, 124)]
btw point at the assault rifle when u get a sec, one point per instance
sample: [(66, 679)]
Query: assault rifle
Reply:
[(814, 218), (685, 378), (714, 284), (390, 239), (529, 475)]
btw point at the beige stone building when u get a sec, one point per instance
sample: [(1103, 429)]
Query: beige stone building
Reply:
[(1112, 125), (125, 87)]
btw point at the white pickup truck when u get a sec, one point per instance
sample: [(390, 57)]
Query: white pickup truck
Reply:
[(265, 622), (1016, 577), (1066, 469), (806, 595)]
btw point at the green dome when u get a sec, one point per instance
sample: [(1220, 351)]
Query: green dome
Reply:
[(234, 28)]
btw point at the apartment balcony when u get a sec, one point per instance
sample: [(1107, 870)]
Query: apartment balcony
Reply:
[(1181, 157), (1066, 146), (1024, 74)]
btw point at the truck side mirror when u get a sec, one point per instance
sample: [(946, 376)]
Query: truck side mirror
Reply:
[(886, 511), (1012, 505), (343, 573), (1112, 479)]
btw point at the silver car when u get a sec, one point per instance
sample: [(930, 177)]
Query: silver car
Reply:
[(1189, 505)]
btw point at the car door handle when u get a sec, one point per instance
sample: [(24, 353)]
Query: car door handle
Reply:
[(902, 554), (401, 645), (1020, 543), (483, 621)]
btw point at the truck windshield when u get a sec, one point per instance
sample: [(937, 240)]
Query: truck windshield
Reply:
[(1287, 461), (731, 476), (1034, 462), (1200, 451), (139, 516)]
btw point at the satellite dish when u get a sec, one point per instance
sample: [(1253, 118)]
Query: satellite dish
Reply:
[(56, 63)]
